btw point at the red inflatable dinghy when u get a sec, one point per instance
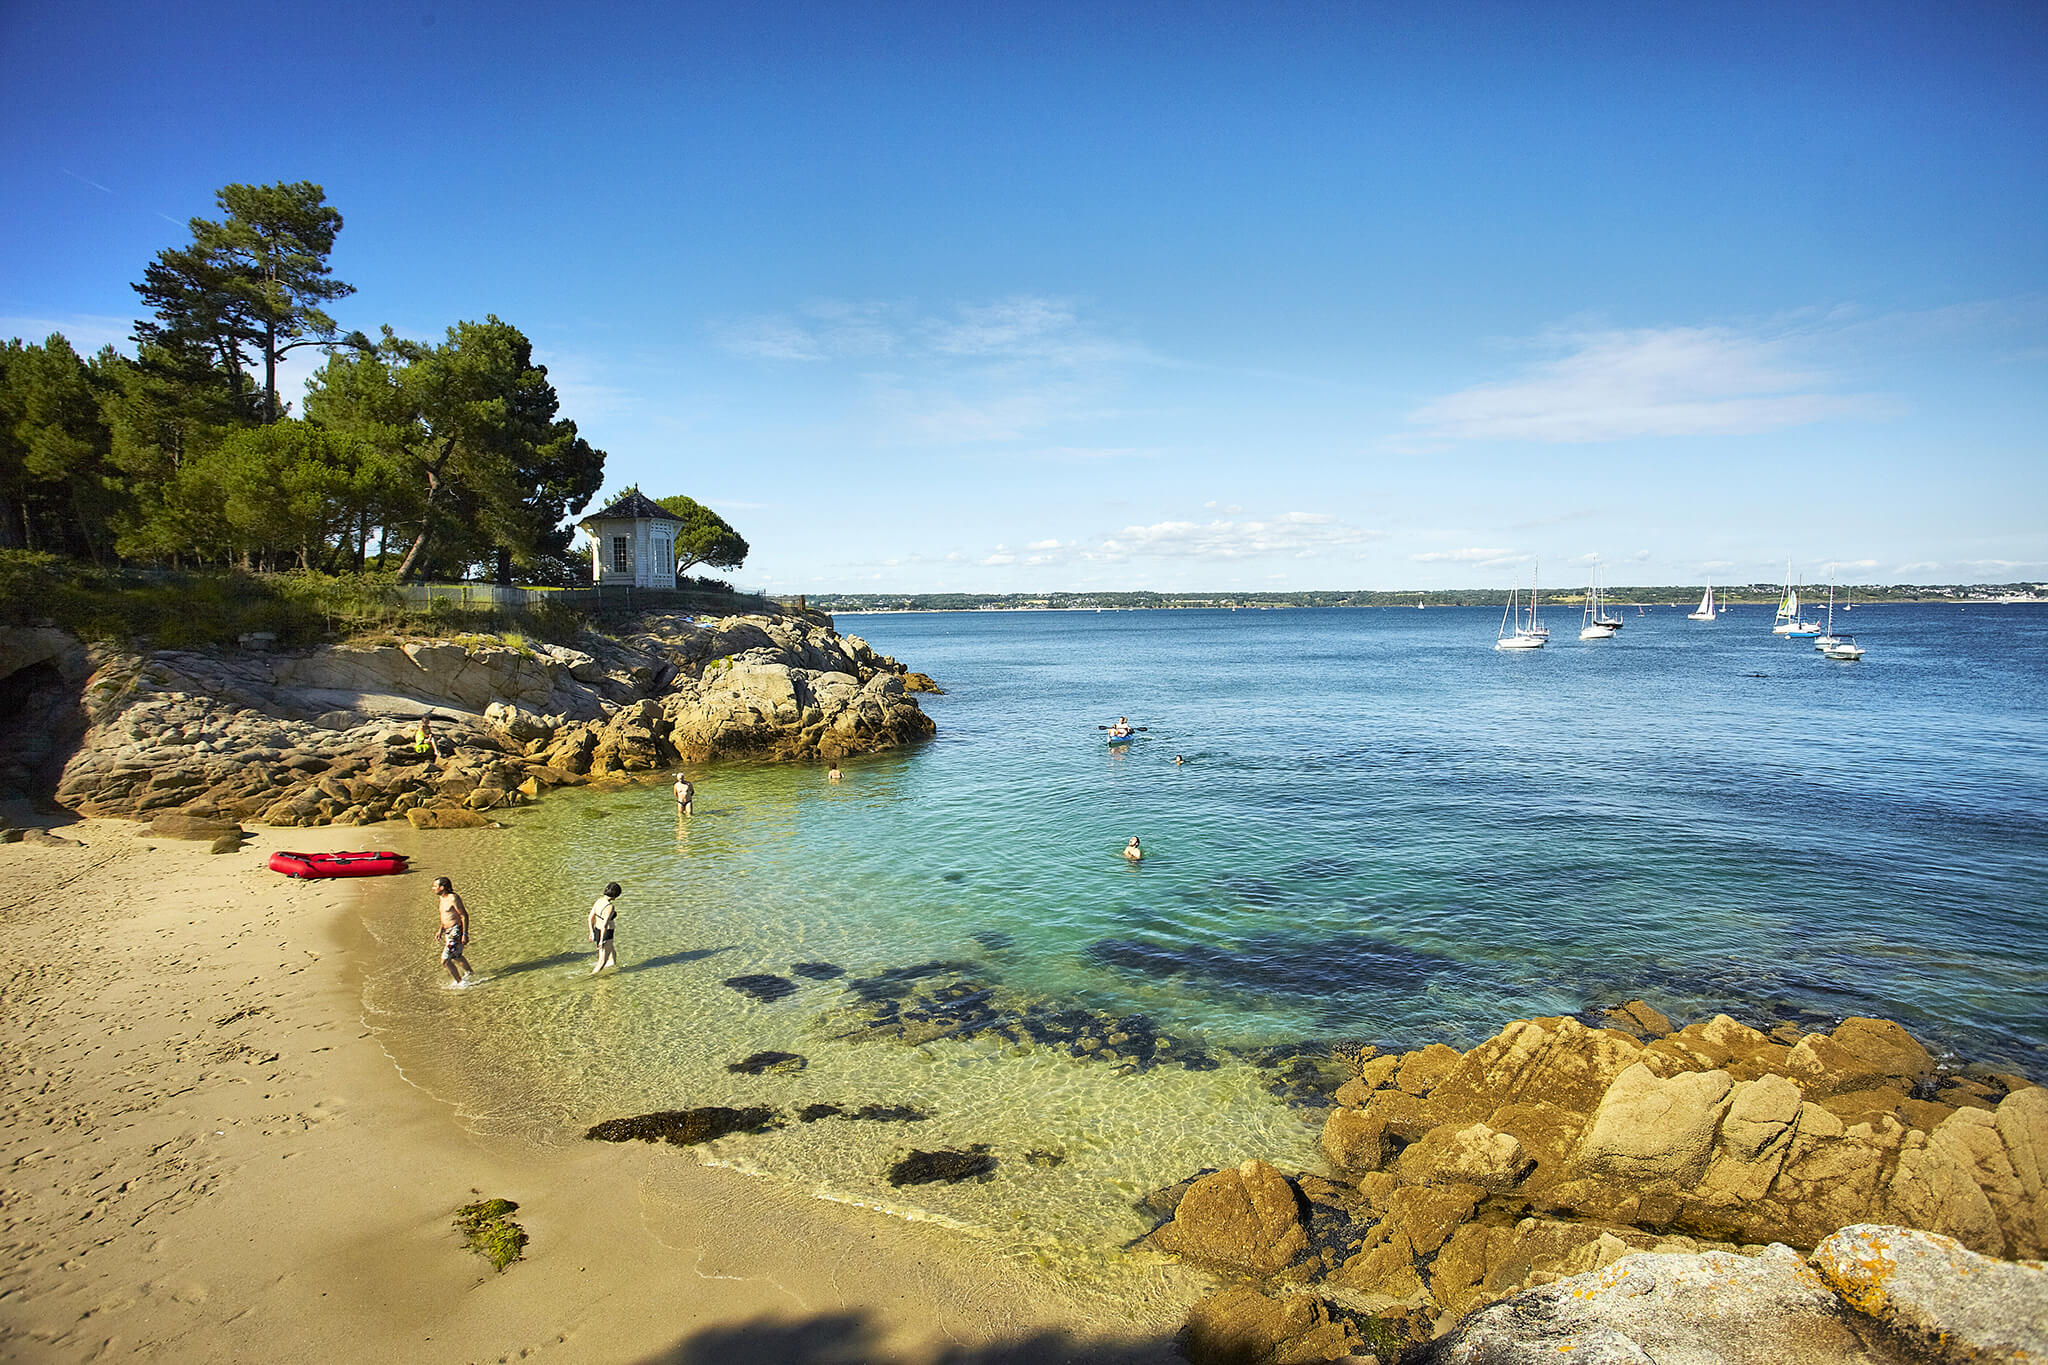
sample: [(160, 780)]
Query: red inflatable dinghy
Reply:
[(337, 864)]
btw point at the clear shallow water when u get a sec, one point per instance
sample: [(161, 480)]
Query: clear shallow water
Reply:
[(1385, 830)]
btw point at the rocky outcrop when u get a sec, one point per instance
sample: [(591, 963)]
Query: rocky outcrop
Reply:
[(1555, 1149), (324, 736), (1867, 1296)]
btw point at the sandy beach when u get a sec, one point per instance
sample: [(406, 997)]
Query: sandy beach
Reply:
[(209, 1157)]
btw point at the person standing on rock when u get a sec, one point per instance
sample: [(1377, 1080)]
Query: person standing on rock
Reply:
[(453, 935), (685, 794), (423, 740), (604, 917)]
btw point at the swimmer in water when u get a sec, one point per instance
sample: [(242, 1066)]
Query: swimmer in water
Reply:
[(1132, 851)]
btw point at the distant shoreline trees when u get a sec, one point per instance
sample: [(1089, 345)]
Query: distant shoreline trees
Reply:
[(448, 457)]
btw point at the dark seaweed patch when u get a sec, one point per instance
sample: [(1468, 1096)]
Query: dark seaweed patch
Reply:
[(898, 982), (947, 1164), (1336, 966), (817, 971), (868, 1113), (953, 876), (686, 1127), (768, 1061), (995, 940), (1038, 1156), (762, 986), (1322, 869)]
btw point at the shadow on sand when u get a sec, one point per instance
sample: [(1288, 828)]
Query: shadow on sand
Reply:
[(849, 1339)]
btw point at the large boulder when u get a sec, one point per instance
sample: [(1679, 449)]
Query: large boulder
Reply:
[(1936, 1296), (1656, 1128), (1241, 1326), (1247, 1218), (1714, 1308)]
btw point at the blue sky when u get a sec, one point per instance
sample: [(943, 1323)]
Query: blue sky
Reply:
[(970, 297)]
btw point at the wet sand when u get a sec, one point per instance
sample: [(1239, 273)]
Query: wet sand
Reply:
[(209, 1157)]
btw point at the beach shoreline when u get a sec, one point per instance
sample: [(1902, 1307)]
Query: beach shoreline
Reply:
[(211, 1157)]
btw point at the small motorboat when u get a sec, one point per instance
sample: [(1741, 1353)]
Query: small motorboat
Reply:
[(315, 865)]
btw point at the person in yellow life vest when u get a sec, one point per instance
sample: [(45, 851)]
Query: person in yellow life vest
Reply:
[(423, 741)]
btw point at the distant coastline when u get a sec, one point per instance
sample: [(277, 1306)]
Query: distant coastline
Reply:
[(1741, 595)]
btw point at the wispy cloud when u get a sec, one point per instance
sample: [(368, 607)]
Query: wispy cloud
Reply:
[(1672, 381), (86, 332), (1291, 535), (1483, 557), (1004, 371)]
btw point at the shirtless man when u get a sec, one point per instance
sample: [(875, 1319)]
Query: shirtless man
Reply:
[(685, 794), (1133, 852), (453, 935)]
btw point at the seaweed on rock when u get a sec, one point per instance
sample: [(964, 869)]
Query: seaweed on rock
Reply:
[(491, 1233), (817, 971), (762, 986), (780, 1062), (686, 1127), (948, 1165)]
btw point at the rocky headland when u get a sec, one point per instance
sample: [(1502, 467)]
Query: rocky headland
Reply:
[(1633, 1193), (199, 741)]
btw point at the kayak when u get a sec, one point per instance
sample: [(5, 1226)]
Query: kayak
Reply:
[(1123, 739), (310, 865)]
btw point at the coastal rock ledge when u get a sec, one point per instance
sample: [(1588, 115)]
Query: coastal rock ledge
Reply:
[(325, 736), (1635, 1193)]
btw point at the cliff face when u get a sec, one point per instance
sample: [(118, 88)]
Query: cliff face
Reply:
[(325, 736)]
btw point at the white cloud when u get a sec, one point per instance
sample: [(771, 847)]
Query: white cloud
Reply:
[(1468, 556), (1213, 506), (87, 332), (1716, 565), (1300, 534), (1672, 381), (768, 338), (1043, 545)]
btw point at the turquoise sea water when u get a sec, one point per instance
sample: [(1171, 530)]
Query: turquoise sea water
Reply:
[(1384, 830)]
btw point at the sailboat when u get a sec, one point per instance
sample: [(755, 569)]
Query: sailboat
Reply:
[(1706, 611), (1520, 639), (1592, 626), (1535, 627), (1418, 603), (1788, 622)]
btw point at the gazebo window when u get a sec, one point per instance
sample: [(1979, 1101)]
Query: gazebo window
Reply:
[(622, 554)]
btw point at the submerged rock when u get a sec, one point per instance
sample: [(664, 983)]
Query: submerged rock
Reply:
[(762, 986), (869, 1113), (948, 1164), (817, 971), (686, 1127), (781, 1063)]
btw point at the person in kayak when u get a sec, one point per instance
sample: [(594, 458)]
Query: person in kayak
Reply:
[(1121, 728), (453, 935), (604, 918)]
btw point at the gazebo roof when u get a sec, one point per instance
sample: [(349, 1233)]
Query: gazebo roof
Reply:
[(633, 506)]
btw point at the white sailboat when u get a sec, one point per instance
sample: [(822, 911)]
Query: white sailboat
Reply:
[(1787, 622), (1706, 611), (1535, 626), (1519, 638), (1592, 626)]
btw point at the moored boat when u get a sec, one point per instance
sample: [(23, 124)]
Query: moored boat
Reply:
[(312, 866)]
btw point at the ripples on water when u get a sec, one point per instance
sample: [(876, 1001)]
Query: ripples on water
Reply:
[(1384, 831)]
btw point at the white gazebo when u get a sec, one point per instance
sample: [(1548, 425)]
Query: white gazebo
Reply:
[(632, 543)]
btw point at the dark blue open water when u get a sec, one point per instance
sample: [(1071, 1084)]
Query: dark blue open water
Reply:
[(1384, 830)]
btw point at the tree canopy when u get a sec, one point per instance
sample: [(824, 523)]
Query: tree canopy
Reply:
[(475, 422), (444, 456), (705, 538), (251, 282)]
